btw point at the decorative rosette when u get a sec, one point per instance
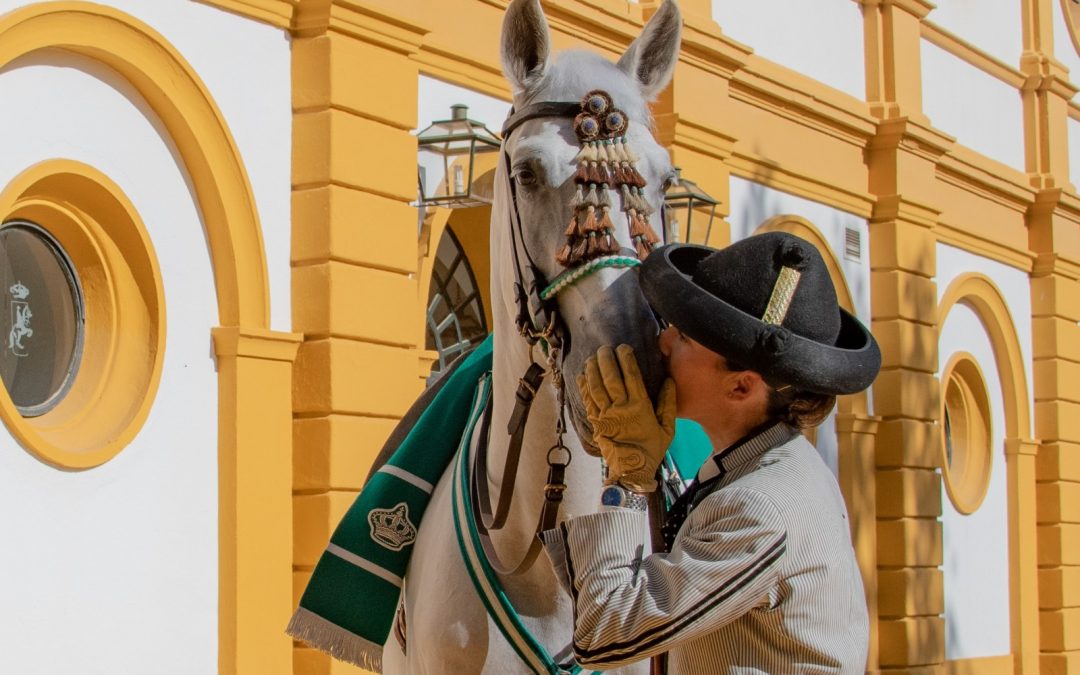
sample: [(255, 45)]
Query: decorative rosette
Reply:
[(605, 162)]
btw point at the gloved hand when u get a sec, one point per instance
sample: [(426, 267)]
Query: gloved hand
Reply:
[(632, 437)]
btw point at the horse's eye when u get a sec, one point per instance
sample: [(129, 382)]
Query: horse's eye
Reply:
[(525, 177), (670, 181)]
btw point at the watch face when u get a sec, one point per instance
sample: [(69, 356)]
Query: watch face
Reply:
[(612, 496)]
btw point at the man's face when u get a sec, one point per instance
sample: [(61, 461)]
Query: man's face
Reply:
[(698, 373)]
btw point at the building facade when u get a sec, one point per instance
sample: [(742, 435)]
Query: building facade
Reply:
[(222, 294)]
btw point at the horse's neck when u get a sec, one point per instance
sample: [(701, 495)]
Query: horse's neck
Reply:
[(511, 359)]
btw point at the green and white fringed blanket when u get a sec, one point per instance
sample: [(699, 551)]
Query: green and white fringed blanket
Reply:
[(369, 551)]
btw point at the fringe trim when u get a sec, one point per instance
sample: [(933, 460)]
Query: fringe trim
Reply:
[(336, 641)]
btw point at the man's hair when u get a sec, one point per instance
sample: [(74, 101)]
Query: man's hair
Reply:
[(785, 403)]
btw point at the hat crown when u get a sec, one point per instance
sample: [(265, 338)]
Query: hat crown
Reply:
[(745, 275)]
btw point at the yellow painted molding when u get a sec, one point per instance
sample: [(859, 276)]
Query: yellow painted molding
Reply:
[(1021, 446), (983, 296), (912, 641), (911, 591), (326, 378), (124, 308), (315, 517), (985, 665), (972, 55), (908, 211), (907, 393), (909, 542), (1057, 379), (268, 345), (906, 344), (895, 294), (360, 19), (335, 452), (908, 492), (340, 299), (1058, 461), (277, 13), (1059, 587), (1055, 295), (708, 141), (184, 106), (1059, 544), (967, 475), (907, 442), (1058, 502), (1060, 629), (755, 168)]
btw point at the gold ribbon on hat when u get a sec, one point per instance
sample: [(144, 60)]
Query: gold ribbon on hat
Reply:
[(782, 293)]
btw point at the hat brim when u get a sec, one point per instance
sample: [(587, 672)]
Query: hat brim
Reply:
[(846, 367)]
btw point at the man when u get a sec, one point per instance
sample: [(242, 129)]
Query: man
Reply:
[(760, 575)]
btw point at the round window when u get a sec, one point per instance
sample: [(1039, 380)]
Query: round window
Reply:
[(42, 321), (1071, 10), (966, 456)]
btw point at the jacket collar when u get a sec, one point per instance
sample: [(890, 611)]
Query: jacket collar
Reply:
[(743, 450)]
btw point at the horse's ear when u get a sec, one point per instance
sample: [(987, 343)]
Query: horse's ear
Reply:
[(651, 58), (526, 44)]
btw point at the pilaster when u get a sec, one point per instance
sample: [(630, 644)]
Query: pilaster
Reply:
[(903, 156), (1054, 232), (354, 253)]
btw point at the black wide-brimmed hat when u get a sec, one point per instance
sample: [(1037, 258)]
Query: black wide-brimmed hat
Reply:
[(768, 304)]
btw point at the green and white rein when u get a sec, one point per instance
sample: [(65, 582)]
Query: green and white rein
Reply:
[(575, 274)]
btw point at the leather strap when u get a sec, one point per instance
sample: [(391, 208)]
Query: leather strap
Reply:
[(542, 109)]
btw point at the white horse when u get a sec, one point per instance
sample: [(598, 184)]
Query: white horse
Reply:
[(448, 629)]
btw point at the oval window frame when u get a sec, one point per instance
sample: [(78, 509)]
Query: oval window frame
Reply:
[(113, 391), (966, 474), (1070, 10)]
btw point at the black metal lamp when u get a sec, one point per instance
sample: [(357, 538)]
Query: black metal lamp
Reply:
[(447, 160), (682, 202)]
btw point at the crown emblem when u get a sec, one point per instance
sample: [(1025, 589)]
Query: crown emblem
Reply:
[(391, 528), (19, 291)]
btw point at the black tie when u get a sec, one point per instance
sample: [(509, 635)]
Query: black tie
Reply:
[(681, 509)]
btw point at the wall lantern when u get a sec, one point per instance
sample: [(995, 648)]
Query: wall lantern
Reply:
[(682, 202), (447, 160)]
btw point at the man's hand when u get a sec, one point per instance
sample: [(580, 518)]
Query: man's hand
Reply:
[(632, 436)]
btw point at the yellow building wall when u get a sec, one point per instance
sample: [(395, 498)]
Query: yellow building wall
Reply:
[(727, 113)]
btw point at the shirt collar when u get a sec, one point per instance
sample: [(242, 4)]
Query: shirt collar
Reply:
[(743, 450)]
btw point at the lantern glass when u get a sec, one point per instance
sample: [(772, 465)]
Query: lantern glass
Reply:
[(447, 160), (689, 212)]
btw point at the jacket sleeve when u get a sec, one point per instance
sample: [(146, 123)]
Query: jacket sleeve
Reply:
[(628, 607)]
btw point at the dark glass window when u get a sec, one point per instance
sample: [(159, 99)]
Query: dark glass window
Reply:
[(41, 324), (455, 317)]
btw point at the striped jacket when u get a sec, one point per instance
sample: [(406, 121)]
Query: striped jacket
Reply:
[(761, 578)]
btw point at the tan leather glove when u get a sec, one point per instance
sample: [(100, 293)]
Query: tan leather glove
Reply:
[(632, 437)]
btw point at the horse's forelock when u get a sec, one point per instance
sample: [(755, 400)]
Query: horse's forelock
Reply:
[(574, 73)]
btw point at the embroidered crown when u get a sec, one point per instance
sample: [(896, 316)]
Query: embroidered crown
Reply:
[(391, 527)]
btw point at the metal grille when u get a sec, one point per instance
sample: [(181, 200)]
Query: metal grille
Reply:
[(852, 244), (455, 314)]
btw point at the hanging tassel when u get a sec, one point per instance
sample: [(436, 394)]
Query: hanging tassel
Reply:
[(592, 247), (577, 201), (603, 197), (572, 230), (636, 228), (605, 220), (595, 175), (577, 253), (581, 176), (609, 245), (642, 248), (563, 256), (590, 225), (591, 198)]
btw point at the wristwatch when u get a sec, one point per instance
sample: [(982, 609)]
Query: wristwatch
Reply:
[(617, 495)]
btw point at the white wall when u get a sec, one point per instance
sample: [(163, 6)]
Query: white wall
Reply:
[(976, 546), (1064, 49), (821, 39), (994, 27), (981, 111), (115, 569), (752, 204)]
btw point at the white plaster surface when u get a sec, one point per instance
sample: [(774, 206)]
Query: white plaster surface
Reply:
[(976, 546), (115, 569), (246, 67), (982, 112), (753, 203), (1064, 48), (976, 553), (821, 39), (994, 27)]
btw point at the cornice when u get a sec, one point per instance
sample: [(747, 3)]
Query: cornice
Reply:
[(917, 8), (704, 46), (277, 13), (366, 21), (753, 167), (986, 178), (702, 139), (964, 239), (232, 342), (899, 207)]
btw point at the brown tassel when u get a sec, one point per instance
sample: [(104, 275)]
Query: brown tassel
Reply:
[(592, 247), (609, 245), (595, 175), (581, 176), (563, 256), (605, 220), (636, 179), (637, 225), (641, 247), (590, 225), (572, 228), (577, 254)]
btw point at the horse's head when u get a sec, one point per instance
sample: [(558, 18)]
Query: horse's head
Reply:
[(544, 161)]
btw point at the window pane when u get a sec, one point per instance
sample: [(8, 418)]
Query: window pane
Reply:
[(42, 320)]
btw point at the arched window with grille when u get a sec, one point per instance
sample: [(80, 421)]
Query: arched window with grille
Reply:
[(455, 314)]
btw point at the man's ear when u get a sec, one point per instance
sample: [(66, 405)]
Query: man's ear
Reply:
[(746, 384)]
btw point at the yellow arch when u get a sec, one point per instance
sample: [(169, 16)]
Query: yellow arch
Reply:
[(979, 293), (176, 94)]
